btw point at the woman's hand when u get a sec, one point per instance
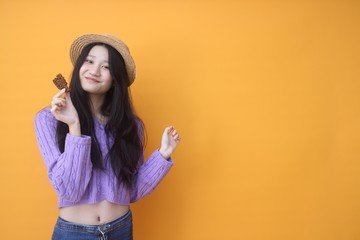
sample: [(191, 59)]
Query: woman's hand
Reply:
[(64, 111), (169, 141)]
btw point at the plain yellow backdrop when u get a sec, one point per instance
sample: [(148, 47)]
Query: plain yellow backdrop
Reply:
[(264, 93)]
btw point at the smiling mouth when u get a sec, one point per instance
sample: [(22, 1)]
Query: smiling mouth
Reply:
[(92, 79)]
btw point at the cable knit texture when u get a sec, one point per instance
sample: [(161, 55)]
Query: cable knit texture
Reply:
[(76, 181)]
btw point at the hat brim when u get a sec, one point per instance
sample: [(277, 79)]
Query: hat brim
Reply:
[(78, 45)]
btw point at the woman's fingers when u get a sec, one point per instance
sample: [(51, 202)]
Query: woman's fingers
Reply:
[(174, 134), (169, 142), (177, 138), (58, 102), (53, 109), (169, 129), (60, 93)]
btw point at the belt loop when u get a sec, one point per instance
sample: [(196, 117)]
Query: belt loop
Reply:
[(102, 233)]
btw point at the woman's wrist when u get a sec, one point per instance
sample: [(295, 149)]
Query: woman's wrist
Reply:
[(164, 154), (74, 129)]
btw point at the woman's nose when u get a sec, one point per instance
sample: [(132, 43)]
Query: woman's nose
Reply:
[(95, 70)]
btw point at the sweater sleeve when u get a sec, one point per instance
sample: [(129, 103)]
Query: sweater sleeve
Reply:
[(69, 172), (150, 175)]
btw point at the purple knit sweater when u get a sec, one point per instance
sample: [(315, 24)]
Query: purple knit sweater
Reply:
[(76, 181)]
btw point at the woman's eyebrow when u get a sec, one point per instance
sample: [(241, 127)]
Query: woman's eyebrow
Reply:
[(95, 57)]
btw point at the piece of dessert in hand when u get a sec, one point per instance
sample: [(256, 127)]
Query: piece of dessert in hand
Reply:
[(60, 82)]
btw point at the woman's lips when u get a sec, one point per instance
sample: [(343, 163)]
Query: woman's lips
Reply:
[(92, 79)]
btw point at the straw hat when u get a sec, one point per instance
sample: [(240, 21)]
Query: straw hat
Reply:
[(79, 43)]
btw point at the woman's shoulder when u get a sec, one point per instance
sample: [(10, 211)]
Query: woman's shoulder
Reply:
[(45, 116)]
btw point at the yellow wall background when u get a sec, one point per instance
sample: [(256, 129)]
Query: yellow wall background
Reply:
[(264, 93)]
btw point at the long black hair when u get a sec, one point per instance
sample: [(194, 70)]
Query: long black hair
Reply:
[(123, 126)]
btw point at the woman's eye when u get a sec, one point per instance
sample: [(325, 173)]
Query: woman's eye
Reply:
[(106, 67), (88, 61)]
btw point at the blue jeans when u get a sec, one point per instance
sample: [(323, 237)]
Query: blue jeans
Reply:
[(119, 229)]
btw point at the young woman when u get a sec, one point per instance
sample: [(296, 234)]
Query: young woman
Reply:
[(92, 144)]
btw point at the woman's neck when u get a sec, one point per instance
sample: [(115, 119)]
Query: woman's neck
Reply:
[(96, 103)]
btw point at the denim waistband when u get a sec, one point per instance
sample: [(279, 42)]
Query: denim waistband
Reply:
[(104, 228)]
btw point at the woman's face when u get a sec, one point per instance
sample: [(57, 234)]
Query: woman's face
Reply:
[(94, 74)]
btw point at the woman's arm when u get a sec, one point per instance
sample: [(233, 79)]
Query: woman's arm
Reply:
[(69, 172), (156, 166)]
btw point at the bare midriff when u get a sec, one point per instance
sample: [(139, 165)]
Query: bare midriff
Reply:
[(93, 214)]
